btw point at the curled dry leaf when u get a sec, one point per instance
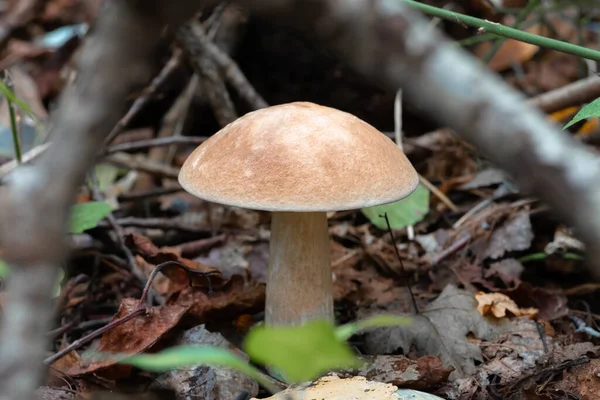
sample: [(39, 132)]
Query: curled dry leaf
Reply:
[(498, 304), (132, 337)]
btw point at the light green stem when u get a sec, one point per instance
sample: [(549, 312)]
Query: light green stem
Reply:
[(517, 25), (505, 31), (15, 132)]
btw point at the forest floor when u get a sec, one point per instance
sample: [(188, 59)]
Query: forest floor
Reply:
[(511, 310)]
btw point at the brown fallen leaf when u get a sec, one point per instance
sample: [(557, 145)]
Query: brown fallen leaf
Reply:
[(497, 304), (179, 277), (510, 356), (441, 329), (508, 271), (583, 380), (423, 373), (238, 296), (552, 304), (514, 234), (132, 337)]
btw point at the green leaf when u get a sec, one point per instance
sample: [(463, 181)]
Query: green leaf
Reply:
[(344, 332), (188, 356), (300, 353), (402, 213), (86, 216), (106, 175), (590, 110), (4, 269), (10, 96)]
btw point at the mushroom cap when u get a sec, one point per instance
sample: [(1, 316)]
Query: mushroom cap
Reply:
[(335, 388), (299, 157)]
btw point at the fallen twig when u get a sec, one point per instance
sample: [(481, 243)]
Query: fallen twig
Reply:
[(163, 141), (573, 94), (141, 163), (137, 196), (169, 68), (229, 68), (158, 223), (206, 68)]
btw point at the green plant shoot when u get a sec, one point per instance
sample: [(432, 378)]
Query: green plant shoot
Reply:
[(591, 110)]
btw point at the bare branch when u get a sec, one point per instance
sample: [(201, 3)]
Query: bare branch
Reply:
[(34, 206), (229, 68), (211, 81)]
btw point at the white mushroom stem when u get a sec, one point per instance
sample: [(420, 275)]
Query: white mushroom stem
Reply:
[(299, 284)]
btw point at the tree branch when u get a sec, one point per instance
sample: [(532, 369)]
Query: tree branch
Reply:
[(34, 206)]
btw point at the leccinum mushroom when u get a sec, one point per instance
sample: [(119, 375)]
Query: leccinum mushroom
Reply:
[(299, 161)]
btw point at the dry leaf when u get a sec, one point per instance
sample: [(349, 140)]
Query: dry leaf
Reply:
[(132, 337), (238, 296), (441, 330), (514, 235), (552, 304), (423, 373), (508, 270), (497, 304), (180, 278)]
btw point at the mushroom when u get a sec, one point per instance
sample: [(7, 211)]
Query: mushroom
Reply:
[(298, 160), (332, 387)]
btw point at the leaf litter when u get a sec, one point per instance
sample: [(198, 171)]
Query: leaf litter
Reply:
[(509, 248)]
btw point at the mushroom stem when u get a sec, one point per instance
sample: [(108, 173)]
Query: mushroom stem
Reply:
[(299, 283)]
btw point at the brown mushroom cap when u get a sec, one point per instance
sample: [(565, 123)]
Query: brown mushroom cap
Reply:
[(299, 157)]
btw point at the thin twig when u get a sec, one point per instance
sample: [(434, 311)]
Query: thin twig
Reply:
[(406, 275), (158, 223), (170, 67), (233, 74), (141, 163), (140, 309), (93, 335), (133, 265), (212, 83), (137, 196), (157, 142)]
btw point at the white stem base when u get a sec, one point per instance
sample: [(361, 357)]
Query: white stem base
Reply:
[(299, 284)]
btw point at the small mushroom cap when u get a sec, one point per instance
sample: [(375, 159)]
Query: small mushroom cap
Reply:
[(335, 388), (299, 157)]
